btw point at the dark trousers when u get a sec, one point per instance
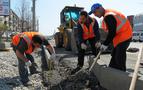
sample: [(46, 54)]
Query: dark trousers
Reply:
[(118, 54), (23, 70), (81, 52), (44, 64)]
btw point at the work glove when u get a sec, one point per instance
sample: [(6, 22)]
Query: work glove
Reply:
[(98, 44), (83, 46), (103, 47), (28, 63)]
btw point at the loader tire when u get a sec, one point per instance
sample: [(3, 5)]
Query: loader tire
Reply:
[(74, 42), (58, 40), (67, 40)]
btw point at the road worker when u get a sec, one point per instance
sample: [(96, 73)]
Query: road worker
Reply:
[(24, 44), (119, 33), (87, 32)]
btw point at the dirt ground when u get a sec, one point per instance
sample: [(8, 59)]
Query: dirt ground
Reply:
[(57, 79)]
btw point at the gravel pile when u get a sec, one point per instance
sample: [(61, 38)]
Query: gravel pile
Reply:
[(9, 77)]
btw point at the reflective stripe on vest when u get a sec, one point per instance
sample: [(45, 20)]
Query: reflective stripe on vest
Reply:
[(123, 29), (28, 38), (16, 39), (123, 21), (29, 44), (88, 33), (25, 37)]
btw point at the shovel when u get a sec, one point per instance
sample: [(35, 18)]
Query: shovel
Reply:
[(90, 68), (87, 77)]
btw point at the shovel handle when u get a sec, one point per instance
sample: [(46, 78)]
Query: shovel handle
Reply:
[(135, 74), (95, 61)]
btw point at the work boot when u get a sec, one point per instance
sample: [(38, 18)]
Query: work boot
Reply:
[(33, 69), (76, 70), (26, 84), (45, 68)]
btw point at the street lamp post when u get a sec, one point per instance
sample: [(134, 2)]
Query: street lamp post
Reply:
[(33, 15)]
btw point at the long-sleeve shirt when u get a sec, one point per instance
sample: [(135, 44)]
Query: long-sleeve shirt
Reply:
[(111, 24), (80, 30)]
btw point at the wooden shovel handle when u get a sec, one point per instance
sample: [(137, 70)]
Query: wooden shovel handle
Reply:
[(95, 61), (135, 74)]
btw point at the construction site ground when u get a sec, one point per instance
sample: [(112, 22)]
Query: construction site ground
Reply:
[(9, 77)]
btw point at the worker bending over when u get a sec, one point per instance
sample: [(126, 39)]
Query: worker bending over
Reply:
[(23, 45)]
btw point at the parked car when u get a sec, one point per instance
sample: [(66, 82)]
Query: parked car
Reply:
[(136, 36), (141, 37)]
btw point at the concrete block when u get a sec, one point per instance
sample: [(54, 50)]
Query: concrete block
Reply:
[(113, 79)]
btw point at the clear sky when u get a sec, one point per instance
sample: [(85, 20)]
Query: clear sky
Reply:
[(48, 11)]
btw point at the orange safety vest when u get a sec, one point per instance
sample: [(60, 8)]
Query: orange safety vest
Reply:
[(123, 30), (27, 36), (88, 33)]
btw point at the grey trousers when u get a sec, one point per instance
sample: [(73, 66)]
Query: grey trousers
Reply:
[(23, 69)]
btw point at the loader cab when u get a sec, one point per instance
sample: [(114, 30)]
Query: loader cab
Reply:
[(66, 37), (69, 16)]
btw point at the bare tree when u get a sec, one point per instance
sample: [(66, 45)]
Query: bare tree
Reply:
[(24, 12), (3, 28)]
